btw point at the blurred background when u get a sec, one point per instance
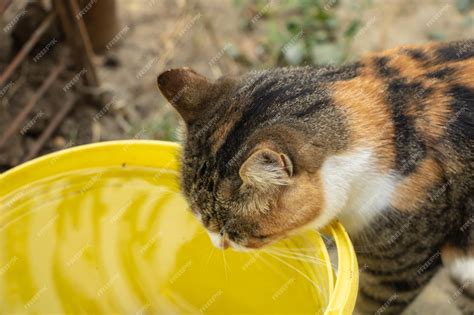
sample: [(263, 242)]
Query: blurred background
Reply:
[(81, 71)]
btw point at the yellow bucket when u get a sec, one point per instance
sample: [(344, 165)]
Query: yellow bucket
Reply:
[(103, 229)]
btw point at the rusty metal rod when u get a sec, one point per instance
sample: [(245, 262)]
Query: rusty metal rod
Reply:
[(53, 125), (93, 79), (62, 10), (26, 48), (15, 125)]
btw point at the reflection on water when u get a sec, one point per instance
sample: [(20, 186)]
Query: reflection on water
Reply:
[(120, 240)]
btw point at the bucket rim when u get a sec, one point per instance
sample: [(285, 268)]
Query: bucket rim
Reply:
[(343, 289)]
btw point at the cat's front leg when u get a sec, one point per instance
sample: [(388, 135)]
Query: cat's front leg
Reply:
[(458, 257), (395, 263), (390, 281), (461, 269)]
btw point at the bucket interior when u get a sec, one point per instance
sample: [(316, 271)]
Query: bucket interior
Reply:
[(107, 231)]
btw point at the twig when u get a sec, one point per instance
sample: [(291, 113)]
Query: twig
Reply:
[(15, 125), (27, 48), (53, 125)]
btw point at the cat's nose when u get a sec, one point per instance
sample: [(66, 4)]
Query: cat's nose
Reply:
[(219, 240), (225, 243)]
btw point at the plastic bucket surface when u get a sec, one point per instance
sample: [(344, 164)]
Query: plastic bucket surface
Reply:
[(103, 229)]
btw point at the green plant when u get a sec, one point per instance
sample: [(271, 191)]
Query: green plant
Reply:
[(303, 31)]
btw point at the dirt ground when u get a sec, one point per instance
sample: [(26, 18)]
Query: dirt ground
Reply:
[(205, 35)]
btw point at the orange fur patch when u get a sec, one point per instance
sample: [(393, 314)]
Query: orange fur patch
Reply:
[(450, 253), (368, 117), (298, 204), (414, 189)]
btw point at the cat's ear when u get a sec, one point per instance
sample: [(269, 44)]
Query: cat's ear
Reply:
[(185, 89), (266, 168)]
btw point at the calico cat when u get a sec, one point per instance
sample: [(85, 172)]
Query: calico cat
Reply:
[(385, 145)]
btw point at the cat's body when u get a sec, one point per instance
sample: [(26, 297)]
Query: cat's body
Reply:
[(386, 145)]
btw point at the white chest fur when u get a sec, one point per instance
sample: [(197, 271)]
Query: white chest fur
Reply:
[(354, 191)]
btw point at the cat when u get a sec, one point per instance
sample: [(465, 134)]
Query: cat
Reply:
[(384, 144)]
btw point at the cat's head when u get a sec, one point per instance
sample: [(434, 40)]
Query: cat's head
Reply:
[(251, 152)]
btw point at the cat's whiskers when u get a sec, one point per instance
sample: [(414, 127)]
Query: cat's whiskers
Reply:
[(225, 265), (295, 254), (264, 260), (299, 252), (312, 260), (297, 271), (210, 255), (296, 249)]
